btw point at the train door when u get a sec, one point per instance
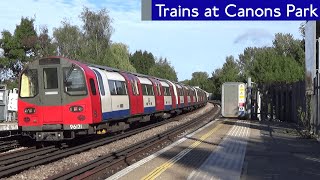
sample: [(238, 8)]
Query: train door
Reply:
[(160, 96), (50, 89), (186, 97), (105, 97), (173, 96), (135, 97)]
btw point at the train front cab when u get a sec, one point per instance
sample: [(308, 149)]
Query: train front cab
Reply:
[(58, 98)]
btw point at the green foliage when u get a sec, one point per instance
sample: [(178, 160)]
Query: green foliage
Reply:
[(12, 84), (269, 66), (302, 29), (285, 45), (230, 72), (68, 39), (186, 82), (245, 62), (45, 45), (163, 69), (283, 62), (142, 61), (202, 80), (96, 35), (118, 57), (25, 40), (21, 45)]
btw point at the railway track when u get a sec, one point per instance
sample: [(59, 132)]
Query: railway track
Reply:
[(8, 145), (105, 166), (19, 161)]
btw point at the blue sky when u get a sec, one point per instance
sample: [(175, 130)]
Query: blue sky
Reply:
[(189, 46)]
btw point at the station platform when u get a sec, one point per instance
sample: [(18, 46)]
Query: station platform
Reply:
[(232, 149), (8, 126)]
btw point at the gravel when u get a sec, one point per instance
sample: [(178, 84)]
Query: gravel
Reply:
[(45, 171)]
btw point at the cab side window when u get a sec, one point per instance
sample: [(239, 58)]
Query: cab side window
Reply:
[(93, 87)]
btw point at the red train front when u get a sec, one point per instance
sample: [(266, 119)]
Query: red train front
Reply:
[(54, 98)]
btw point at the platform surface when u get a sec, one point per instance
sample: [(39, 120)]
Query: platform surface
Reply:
[(232, 149)]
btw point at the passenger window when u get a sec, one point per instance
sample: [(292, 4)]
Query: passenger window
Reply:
[(93, 87), (121, 88), (166, 91), (134, 92), (144, 89), (118, 87), (50, 78), (159, 89), (150, 90), (112, 87), (136, 87)]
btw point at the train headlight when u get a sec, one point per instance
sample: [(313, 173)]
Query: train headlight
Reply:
[(29, 110), (76, 109)]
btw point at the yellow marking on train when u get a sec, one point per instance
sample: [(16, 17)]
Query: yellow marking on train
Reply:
[(157, 171)]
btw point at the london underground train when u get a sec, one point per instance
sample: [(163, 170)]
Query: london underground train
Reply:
[(60, 98)]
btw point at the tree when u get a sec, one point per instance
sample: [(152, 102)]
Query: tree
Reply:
[(97, 33), (46, 48), (216, 83), (230, 72), (25, 36), (245, 62), (186, 82), (302, 30), (7, 43), (142, 61), (68, 40), (270, 66), (118, 57), (201, 79), (286, 45), (163, 69), (20, 47), (22, 44)]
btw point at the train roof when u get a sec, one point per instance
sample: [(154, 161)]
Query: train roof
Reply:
[(110, 69)]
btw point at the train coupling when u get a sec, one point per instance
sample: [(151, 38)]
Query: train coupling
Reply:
[(53, 136)]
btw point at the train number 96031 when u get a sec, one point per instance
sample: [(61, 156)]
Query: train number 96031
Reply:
[(76, 126)]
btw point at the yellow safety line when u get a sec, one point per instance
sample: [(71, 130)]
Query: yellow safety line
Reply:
[(157, 171)]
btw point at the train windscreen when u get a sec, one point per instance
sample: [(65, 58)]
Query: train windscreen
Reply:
[(74, 81), (29, 83)]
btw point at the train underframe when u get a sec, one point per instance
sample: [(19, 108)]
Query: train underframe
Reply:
[(60, 132)]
